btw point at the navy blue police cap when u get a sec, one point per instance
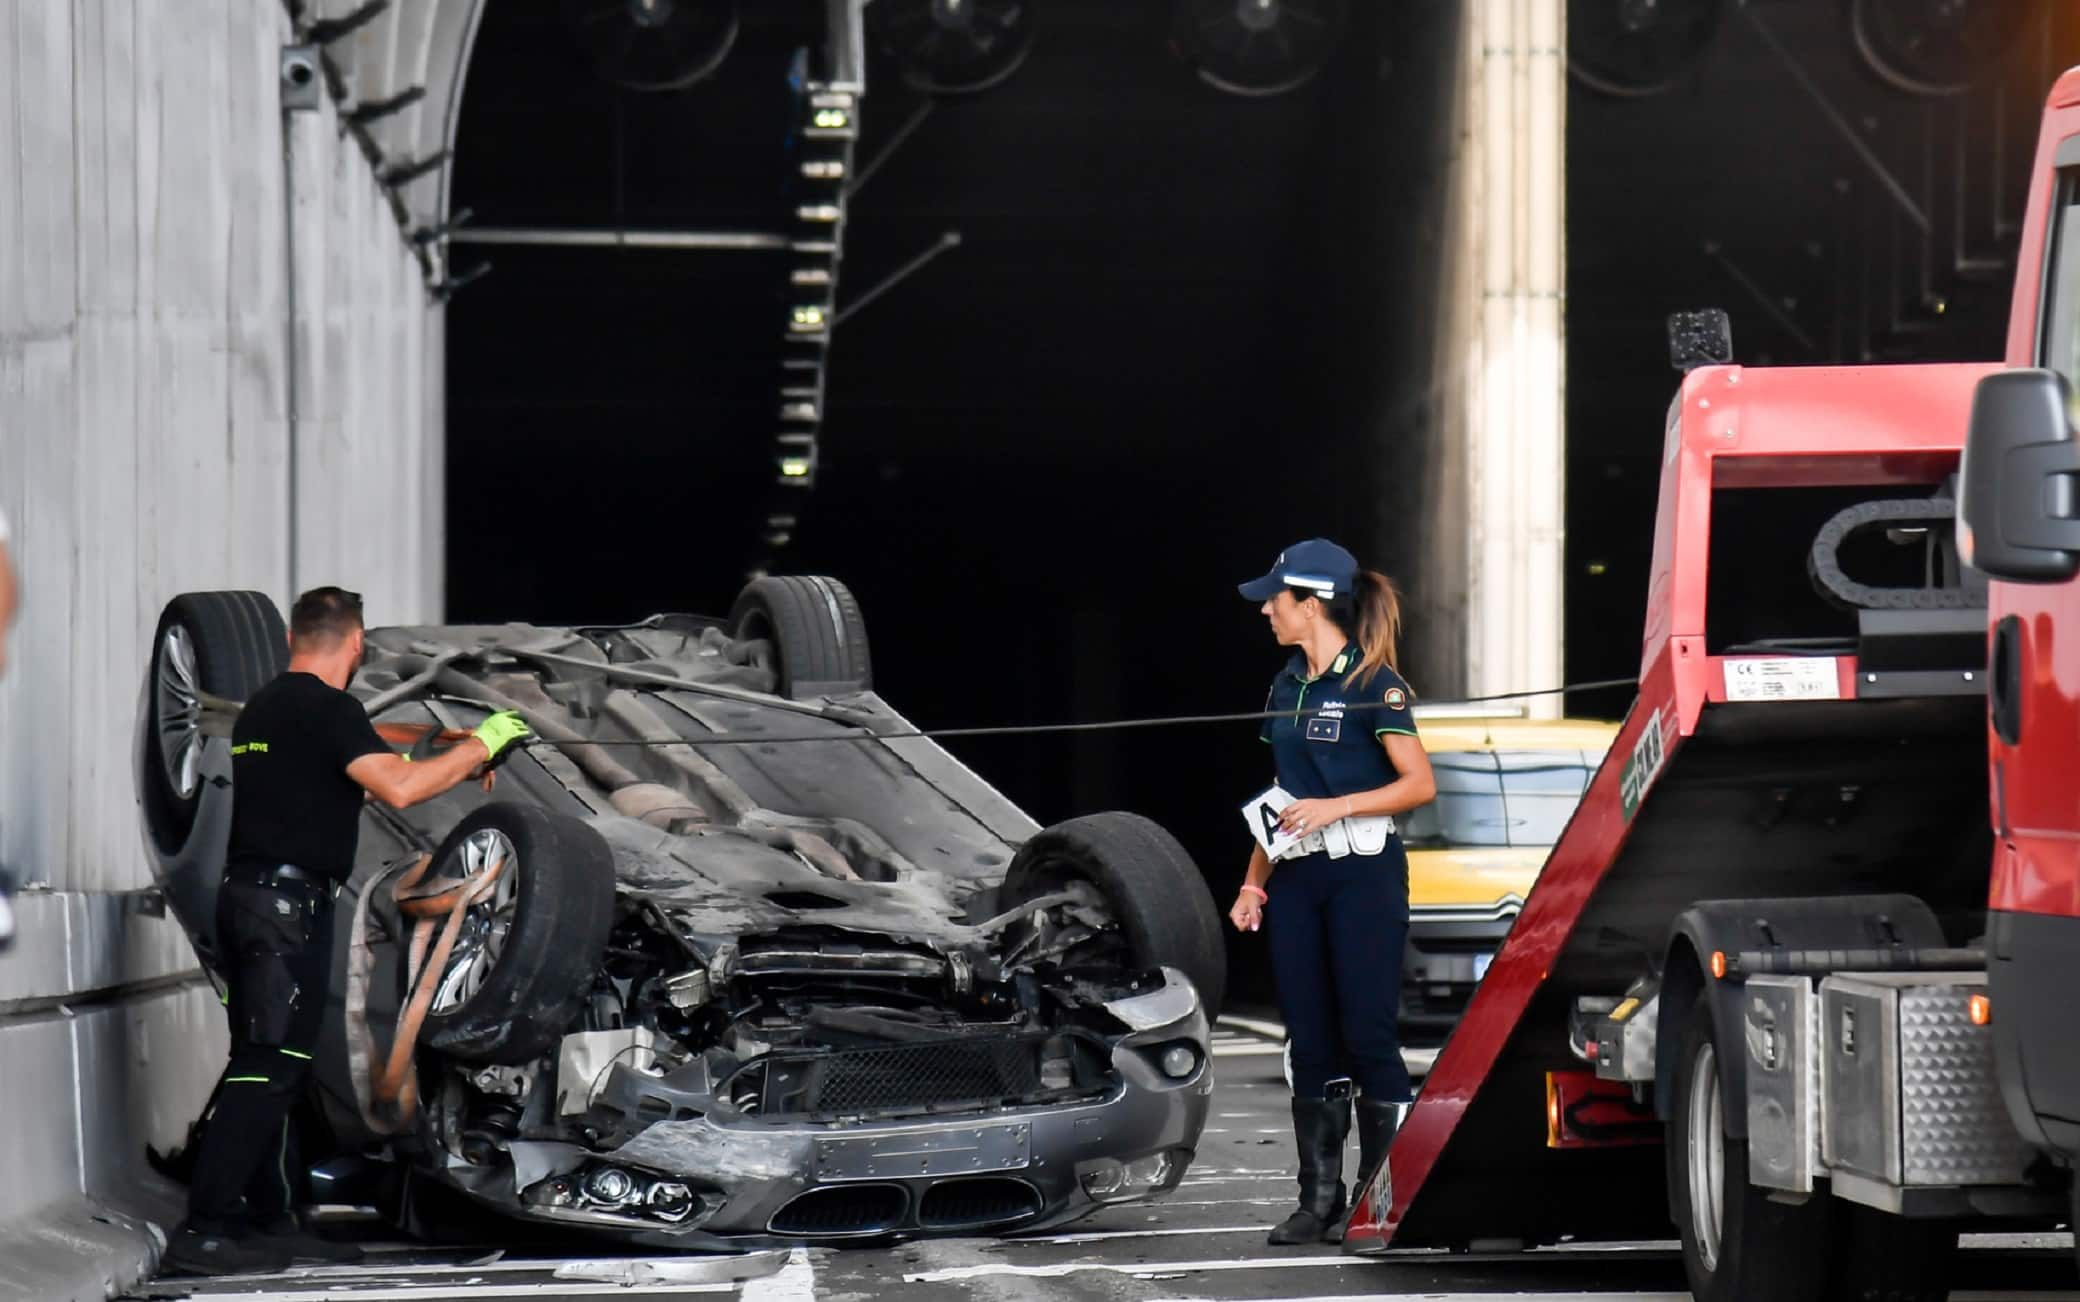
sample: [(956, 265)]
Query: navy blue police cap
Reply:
[(1316, 566)]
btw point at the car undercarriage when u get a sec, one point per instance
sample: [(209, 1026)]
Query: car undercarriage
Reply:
[(729, 955)]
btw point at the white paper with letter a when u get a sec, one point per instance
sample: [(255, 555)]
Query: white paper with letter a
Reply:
[(1261, 812)]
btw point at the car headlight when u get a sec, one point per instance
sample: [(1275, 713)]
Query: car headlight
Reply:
[(1107, 1180)]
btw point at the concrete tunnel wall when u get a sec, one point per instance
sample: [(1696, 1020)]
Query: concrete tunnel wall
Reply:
[(198, 292)]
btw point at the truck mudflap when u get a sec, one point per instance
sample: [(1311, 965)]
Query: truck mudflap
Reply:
[(2033, 969)]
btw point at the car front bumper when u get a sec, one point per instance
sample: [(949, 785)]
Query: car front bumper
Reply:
[(764, 1182), (1448, 953)]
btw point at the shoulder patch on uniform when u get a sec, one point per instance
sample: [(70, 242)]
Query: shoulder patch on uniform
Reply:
[(1396, 697)]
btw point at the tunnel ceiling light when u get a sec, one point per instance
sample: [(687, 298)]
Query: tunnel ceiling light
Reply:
[(819, 212), (824, 169), (832, 119), (796, 467)]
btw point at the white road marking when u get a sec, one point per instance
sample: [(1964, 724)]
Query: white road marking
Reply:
[(1139, 1269), (350, 1292), (1247, 1051), (674, 1270), (1100, 1236), (1992, 1296), (1478, 1297), (796, 1281), (1255, 1026)]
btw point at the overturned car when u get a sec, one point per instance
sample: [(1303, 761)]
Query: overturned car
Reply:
[(729, 955)]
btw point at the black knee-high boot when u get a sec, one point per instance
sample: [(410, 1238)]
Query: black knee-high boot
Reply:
[(1377, 1122), (1320, 1127)]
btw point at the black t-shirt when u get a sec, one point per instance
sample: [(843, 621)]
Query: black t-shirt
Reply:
[(292, 801)]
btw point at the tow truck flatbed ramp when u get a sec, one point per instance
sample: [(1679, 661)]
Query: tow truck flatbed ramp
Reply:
[(1850, 770)]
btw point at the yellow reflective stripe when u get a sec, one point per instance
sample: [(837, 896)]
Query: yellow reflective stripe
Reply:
[(293, 1054), (245, 1080), (256, 747)]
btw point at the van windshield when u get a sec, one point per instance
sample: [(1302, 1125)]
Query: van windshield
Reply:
[(1507, 799)]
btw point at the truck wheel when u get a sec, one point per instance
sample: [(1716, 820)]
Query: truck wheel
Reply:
[(1157, 894), (222, 644), (1737, 1244), (527, 955), (817, 635), (1885, 1258)]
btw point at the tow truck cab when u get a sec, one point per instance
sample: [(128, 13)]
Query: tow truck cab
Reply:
[(2019, 526)]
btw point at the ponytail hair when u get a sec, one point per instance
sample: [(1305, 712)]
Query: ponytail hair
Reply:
[(1372, 616)]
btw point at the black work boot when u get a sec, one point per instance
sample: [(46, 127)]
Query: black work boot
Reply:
[(193, 1251), (1377, 1122), (1320, 1127)]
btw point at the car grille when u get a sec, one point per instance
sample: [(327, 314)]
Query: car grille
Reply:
[(847, 1209), (976, 1201), (935, 1076)]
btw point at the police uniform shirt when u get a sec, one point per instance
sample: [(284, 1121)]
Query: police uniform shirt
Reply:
[(292, 801), (1336, 751)]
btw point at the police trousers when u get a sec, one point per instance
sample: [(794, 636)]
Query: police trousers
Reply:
[(1338, 929), (277, 946)]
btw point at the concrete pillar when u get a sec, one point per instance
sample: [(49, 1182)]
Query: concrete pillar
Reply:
[(1513, 269)]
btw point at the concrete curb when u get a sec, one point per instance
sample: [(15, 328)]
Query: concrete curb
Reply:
[(84, 1249)]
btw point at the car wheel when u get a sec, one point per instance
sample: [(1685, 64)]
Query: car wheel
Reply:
[(1157, 894), (814, 627), (527, 954), (221, 644), (224, 645), (1737, 1244)]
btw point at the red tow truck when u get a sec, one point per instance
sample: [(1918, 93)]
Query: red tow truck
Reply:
[(1763, 992)]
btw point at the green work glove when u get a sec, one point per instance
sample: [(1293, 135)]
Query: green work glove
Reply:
[(502, 730)]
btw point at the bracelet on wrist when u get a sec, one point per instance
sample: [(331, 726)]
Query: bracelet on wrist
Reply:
[(1257, 891)]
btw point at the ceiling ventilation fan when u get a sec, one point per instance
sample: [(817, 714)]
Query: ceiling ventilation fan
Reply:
[(1258, 47), (653, 45)]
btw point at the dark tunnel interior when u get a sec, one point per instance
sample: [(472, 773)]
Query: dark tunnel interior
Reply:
[(1182, 329)]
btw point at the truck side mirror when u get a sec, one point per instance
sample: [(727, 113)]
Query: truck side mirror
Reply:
[(2019, 499)]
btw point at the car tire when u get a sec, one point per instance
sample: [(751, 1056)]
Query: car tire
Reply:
[(1737, 1243), (224, 644), (528, 956), (1157, 893), (815, 628), (231, 644)]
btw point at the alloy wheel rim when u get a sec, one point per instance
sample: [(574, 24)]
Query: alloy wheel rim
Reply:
[(489, 921), (178, 692), (1706, 1151)]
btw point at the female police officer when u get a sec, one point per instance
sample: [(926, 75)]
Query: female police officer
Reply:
[(1337, 902)]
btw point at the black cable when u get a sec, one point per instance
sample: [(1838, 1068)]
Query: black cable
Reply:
[(1104, 725)]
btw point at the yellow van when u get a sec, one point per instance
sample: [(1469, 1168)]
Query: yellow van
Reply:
[(1506, 785)]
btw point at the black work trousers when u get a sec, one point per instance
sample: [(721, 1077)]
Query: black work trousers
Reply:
[(277, 943), (1338, 928)]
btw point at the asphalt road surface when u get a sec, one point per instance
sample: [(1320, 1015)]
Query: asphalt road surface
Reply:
[(1206, 1241)]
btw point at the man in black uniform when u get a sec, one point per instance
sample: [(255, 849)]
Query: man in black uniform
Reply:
[(303, 753)]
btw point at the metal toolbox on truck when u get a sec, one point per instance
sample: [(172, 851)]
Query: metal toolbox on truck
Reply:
[(1908, 1090), (1780, 1016)]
